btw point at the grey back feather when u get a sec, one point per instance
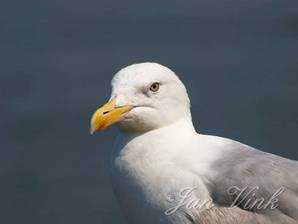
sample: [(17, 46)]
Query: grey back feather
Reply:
[(246, 167), (236, 215)]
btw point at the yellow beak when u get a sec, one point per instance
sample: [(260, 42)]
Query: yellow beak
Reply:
[(107, 115)]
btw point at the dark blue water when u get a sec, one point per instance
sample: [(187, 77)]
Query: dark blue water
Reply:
[(238, 59)]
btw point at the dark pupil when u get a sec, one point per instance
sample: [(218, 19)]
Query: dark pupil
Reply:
[(154, 86)]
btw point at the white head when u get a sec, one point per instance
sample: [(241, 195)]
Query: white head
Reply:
[(147, 96)]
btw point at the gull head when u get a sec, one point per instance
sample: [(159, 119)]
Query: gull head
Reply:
[(144, 97)]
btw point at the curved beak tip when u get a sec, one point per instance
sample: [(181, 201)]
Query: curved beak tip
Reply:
[(91, 131)]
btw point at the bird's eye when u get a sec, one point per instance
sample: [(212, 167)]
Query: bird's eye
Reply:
[(154, 87)]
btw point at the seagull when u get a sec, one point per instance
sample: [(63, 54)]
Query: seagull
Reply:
[(163, 171)]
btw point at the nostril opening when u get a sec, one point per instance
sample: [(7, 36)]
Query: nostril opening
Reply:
[(105, 112)]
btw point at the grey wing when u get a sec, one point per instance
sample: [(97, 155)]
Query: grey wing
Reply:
[(260, 186), (236, 215)]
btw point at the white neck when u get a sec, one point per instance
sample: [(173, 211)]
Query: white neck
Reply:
[(182, 126)]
